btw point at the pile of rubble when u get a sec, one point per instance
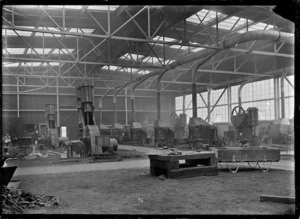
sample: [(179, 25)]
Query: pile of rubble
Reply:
[(16, 200)]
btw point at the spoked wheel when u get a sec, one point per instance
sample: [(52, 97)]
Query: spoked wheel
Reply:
[(264, 166), (231, 165), (237, 111)]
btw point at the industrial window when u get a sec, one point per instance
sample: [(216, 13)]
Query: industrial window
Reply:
[(215, 94), (234, 94), (188, 101), (63, 131), (258, 90), (179, 103), (189, 114), (202, 112), (289, 103), (219, 114), (200, 102)]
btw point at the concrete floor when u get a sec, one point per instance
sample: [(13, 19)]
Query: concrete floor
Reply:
[(143, 163)]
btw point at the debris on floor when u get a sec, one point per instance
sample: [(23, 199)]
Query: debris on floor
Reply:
[(16, 201), (162, 177)]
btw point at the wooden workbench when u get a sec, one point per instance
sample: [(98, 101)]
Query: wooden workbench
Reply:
[(196, 164)]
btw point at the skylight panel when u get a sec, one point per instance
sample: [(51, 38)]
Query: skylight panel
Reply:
[(76, 7), (39, 51), (169, 61), (228, 23), (147, 59), (12, 33), (130, 56), (39, 34), (10, 64), (65, 51), (62, 51), (142, 72), (258, 26), (103, 7), (31, 64), (84, 30), (51, 63), (134, 70), (179, 47), (111, 67), (156, 60), (14, 51), (197, 49), (205, 15), (167, 39)]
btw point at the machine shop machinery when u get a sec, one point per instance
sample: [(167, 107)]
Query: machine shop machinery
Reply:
[(246, 125), (202, 133), (281, 131), (137, 134), (51, 134), (180, 128), (117, 132), (163, 134), (88, 129), (104, 130)]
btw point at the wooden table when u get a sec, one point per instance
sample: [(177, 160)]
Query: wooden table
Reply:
[(196, 164)]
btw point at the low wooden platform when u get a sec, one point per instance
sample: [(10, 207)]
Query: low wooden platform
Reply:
[(196, 164), (248, 154)]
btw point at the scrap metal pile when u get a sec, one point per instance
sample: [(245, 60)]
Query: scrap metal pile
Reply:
[(16, 200)]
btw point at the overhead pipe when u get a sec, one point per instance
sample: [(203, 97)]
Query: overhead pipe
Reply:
[(207, 54), (115, 100), (283, 94), (100, 104), (240, 90), (228, 43)]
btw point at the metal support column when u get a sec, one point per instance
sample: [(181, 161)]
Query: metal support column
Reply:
[(183, 104), (282, 95), (158, 101), (100, 112), (208, 103), (132, 106), (194, 100), (229, 103), (115, 108), (126, 111), (57, 104), (275, 99), (18, 97)]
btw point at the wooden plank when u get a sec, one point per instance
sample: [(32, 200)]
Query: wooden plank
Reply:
[(277, 199), (183, 157), (191, 172), (255, 154)]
